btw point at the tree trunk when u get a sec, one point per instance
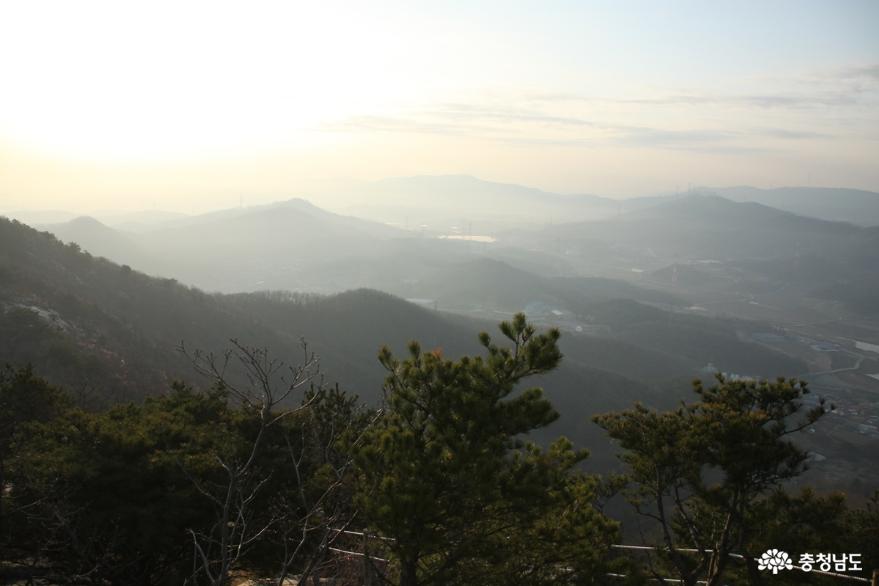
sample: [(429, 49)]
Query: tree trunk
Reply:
[(409, 572), (2, 500)]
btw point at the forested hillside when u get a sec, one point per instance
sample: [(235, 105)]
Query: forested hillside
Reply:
[(112, 333), (126, 325)]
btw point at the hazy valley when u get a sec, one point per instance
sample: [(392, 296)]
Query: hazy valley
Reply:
[(649, 294)]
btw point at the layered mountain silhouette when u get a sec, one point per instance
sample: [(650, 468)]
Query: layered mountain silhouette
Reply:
[(112, 333), (827, 203)]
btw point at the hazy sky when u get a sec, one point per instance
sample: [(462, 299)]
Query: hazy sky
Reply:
[(191, 105)]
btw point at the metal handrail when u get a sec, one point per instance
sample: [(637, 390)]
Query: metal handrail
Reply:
[(618, 546), (734, 555)]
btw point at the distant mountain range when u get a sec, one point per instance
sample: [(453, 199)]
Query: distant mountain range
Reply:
[(109, 332), (705, 227), (470, 205), (294, 245), (826, 203), (722, 246), (464, 204), (135, 221), (239, 249)]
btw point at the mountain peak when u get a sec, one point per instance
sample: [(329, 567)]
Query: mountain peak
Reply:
[(87, 222), (298, 203)]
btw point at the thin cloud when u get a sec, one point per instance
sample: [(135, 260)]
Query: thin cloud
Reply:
[(401, 124), (843, 86), (701, 141), (793, 134), (766, 100), (657, 136), (870, 72), (542, 127), (466, 122), (472, 111)]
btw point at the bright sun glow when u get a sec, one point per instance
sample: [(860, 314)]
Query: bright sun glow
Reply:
[(120, 79)]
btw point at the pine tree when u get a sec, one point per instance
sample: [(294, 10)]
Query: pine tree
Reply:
[(446, 472), (25, 399), (699, 470)]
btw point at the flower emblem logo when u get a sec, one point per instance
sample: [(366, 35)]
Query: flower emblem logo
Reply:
[(775, 560)]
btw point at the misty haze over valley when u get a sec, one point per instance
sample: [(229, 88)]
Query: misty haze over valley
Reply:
[(650, 292)]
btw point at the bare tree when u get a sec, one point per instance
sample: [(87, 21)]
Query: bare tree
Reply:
[(264, 387), (316, 519)]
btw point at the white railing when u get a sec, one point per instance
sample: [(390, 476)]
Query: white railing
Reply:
[(613, 546), (732, 555)]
